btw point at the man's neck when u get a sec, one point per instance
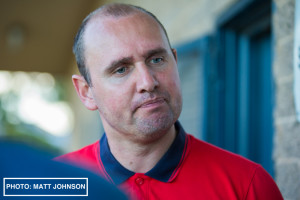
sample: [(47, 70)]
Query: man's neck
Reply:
[(141, 157)]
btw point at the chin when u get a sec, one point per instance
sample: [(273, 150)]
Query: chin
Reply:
[(153, 129)]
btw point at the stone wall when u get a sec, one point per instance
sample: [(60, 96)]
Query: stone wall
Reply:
[(287, 129)]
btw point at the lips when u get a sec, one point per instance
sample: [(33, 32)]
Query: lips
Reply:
[(148, 103), (152, 103)]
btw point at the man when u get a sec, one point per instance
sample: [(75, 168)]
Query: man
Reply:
[(129, 74)]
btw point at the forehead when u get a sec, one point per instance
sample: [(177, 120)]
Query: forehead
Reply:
[(134, 22), (110, 37)]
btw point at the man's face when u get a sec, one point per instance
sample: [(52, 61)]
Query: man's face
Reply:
[(135, 82)]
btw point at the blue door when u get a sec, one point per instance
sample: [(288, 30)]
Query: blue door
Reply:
[(241, 91), (235, 85), (261, 92)]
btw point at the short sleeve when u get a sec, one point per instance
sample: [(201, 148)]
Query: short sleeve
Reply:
[(262, 186)]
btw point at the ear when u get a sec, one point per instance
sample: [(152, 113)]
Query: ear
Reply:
[(84, 92), (174, 54)]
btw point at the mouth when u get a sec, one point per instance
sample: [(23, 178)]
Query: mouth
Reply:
[(151, 103)]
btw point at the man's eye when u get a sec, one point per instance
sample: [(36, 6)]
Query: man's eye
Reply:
[(121, 70), (156, 60)]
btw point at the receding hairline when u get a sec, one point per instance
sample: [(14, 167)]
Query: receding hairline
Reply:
[(102, 17), (119, 10)]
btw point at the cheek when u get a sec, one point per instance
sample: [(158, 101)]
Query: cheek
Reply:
[(115, 99), (171, 82)]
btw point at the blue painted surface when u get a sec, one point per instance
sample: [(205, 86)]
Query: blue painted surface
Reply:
[(200, 49), (236, 71), (245, 70)]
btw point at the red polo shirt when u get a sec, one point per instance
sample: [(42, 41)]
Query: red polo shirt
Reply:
[(190, 169)]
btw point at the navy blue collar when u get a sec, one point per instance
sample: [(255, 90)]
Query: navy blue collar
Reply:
[(163, 171)]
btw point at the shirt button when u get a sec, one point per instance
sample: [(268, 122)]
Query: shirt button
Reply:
[(139, 181)]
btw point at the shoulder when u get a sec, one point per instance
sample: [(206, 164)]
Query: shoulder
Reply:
[(217, 156), (85, 153), (223, 169), (86, 157), (262, 186)]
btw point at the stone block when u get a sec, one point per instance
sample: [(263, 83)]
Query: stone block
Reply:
[(284, 100), (283, 59), (283, 18), (287, 140), (288, 179)]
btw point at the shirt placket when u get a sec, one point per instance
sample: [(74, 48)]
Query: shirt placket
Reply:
[(140, 184)]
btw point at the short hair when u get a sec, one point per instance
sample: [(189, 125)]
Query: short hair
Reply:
[(114, 10)]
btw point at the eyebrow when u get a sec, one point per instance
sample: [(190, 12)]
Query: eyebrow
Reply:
[(155, 52), (129, 60), (117, 63)]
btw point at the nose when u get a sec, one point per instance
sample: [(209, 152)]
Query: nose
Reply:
[(146, 79)]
